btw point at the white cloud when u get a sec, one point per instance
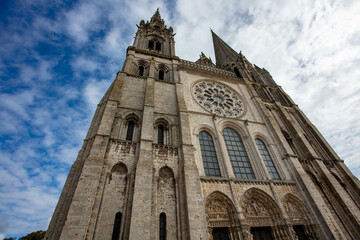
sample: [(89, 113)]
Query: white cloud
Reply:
[(311, 48), (82, 20)]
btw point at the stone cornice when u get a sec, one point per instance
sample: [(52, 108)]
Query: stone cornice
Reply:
[(218, 71), (247, 181)]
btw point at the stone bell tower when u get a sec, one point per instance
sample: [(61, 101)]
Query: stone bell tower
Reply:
[(197, 150)]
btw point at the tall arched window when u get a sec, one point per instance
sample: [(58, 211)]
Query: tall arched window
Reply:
[(162, 226), (160, 134), (161, 74), (267, 159), (117, 224), (141, 70), (237, 154), (208, 153), (130, 131)]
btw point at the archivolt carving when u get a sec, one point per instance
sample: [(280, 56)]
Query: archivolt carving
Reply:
[(219, 210), (259, 208), (255, 209), (295, 209), (257, 202)]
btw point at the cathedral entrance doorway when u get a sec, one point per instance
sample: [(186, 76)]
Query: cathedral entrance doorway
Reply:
[(221, 217), (300, 232), (261, 233), (220, 234)]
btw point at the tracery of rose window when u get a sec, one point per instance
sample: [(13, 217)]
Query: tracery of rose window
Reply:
[(218, 99)]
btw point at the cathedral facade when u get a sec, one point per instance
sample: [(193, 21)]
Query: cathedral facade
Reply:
[(197, 150)]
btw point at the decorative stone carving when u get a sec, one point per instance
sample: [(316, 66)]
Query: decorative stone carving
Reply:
[(254, 208), (247, 235), (218, 99), (219, 210)]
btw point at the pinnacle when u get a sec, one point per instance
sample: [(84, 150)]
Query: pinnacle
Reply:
[(156, 16)]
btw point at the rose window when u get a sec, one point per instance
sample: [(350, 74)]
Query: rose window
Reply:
[(218, 99)]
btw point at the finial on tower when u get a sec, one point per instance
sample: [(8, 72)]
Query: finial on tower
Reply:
[(156, 17)]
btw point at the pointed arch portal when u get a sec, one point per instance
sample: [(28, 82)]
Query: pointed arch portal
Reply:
[(221, 217)]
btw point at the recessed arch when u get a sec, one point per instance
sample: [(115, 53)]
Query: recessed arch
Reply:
[(235, 125), (162, 131), (119, 168), (218, 204), (260, 209), (295, 209), (166, 172)]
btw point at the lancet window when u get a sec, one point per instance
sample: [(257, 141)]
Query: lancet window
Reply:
[(161, 74), (141, 71), (117, 224), (160, 134), (162, 226), (267, 159), (208, 153), (154, 45), (237, 154), (130, 130)]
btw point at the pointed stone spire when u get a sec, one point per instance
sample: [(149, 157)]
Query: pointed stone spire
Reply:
[(156, 19), (224, 54)]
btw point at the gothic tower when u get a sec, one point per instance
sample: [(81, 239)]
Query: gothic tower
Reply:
[(197, 150)]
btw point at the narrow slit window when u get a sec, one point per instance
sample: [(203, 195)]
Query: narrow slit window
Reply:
[(151, 44), (161, 74), (117, 224), (162, 226), (158, 46), (237, 154), (238, 74), (141, 70), (267, 159), (208, 154), (130, 131), (160, 134)]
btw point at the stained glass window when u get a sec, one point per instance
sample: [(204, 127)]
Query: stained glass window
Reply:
[(208, 153), (267, 159), (237, 154)]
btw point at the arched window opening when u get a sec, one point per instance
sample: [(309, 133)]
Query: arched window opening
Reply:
[(151, 44), (237, 154), (208, 153), (130, 131), (160, 134), (238, 74), (289, 141), (161, 74), (117, 224), (158, 46), (141, 70), (162, 226), (267, 159)]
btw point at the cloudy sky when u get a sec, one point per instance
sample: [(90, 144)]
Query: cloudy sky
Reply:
[(57, 58)]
